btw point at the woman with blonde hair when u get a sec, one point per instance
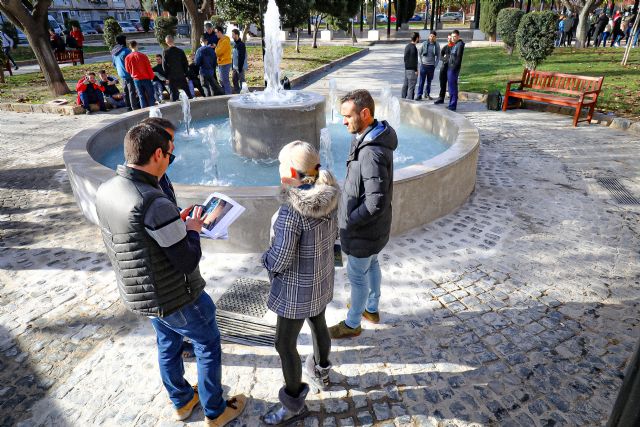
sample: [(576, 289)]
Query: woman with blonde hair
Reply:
[(300, 262)]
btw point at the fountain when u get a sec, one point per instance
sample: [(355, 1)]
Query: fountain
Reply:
[(155, 112), (288, 114), (211, 164), (333, 99), (186, 110)]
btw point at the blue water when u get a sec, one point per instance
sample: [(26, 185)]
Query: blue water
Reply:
[(193, 163)]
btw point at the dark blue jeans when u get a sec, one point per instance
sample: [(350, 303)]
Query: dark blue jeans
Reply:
[(145, 92), (196, 321), (452, 77), (92, 98), (426, 72)]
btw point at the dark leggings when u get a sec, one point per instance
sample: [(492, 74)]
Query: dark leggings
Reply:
[(443, 82), (287, 331)]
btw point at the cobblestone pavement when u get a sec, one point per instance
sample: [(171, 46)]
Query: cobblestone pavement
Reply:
[(520, 308)]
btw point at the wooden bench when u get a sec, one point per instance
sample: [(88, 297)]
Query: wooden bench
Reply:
[(70, 56), (559, 89)]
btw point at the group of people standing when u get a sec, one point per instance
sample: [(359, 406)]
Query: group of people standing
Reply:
[(601, 28), (154, 248), (421, 63), (144, 84)]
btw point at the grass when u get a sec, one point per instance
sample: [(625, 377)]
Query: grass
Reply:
[(31, 88), (24, 53), (489, 68)]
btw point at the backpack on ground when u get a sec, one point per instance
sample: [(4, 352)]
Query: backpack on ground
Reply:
[(494, 100)]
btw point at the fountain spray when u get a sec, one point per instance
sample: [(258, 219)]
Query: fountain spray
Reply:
[(186, 110), (155, 112), (209, 139), (332, 100), (273, 50)]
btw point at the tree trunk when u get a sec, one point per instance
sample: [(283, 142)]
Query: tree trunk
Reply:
[(583, 28), (315, 33), (197, 18), (39, 43), (298, 40)]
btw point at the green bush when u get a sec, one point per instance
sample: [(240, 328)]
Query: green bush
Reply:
[(11, 31), (489, 16), (111, 30), (507, 26), (535, 37), (70, 23), (218, 21), (145, 21), (164, 27)]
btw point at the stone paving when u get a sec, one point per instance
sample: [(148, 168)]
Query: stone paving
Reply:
[(520, 308)]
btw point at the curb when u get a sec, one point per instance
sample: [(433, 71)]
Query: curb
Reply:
[(70, 110)]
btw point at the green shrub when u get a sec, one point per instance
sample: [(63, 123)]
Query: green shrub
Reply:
[(489, 16), (218, 21), (507, 26), (69, 23), (145, 21), (535, 37), (111, 30), (164, 27), (11, 31)]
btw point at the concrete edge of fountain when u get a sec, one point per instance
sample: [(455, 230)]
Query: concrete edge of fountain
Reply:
[(448, 178)]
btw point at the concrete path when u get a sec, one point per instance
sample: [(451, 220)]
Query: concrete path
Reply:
[(518, 309)]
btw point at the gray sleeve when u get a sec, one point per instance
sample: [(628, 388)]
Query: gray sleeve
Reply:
[(162, 222)]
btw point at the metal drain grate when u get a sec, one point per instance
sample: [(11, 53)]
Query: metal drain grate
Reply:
[(246, 296), (619, 192), (240, 329)]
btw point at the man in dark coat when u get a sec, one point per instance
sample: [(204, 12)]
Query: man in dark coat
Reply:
[(455, 62), (444, 69), (364, 217), (410, 67), (176, 68), (601, 24)]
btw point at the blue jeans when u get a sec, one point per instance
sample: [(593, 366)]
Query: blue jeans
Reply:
[(426, 72), (92, 98), (452, 77), (196, 321), (224, 78), (145, 92), (365, 277)]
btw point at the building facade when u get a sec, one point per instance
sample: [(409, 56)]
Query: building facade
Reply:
[(87, 10)]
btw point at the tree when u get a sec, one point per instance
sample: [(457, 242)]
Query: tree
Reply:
[(198, 11), (536, 37), (164, 27), (341, 9), (32, 20), (406, 9), (489, 15), (583, 8), (172, 6), (147, 5), (145, 21), (507, 26), (3, 60), (111, 30)]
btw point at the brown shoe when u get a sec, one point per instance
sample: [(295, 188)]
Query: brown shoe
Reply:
[(371, 317), (341, 330), (234, 408), (184, 412)]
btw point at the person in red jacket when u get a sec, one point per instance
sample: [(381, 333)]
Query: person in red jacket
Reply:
[(76, 33), (138, 65), (90, 92)]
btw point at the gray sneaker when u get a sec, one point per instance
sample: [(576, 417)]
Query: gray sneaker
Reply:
[(317, 376)]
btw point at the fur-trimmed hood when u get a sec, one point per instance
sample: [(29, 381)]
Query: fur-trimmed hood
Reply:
[(315, 201)]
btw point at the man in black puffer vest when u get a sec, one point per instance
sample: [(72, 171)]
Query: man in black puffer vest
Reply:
[(364, 216), (155, 255)]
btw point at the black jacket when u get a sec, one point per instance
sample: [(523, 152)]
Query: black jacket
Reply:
[(602, 22), (455, 56), (445, 52), (364, 215), (175, 63), (411, 57)]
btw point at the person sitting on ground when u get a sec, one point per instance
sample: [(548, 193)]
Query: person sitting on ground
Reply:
[(223, 52), (137, 64), (194, 77), (90, 92), (159, 79), (70, 42), (112, 94), (207, 61), (56, 42), (300, 262)]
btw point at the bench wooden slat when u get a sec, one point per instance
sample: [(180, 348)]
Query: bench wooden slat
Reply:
[(558, 88)]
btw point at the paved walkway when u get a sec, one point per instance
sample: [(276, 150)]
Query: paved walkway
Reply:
[(520, 308)]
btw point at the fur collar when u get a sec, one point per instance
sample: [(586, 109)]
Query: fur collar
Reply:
[(318, 201)]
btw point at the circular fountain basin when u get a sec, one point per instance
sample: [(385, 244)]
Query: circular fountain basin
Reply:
[(423, 191), (260, 128)]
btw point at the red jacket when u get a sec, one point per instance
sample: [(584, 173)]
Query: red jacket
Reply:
[(82, 87), (77, 34), (137, 64)]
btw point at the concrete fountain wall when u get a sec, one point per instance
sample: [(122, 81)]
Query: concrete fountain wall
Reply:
[(422, 192)]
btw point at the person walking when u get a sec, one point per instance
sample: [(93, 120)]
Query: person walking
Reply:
[(138, 65), (567, 28), (601, 24), (455, 63), (560, 33), (239, 61), (444, 69), (118, 54), (7, 45), (176, 68), (207, 61), (410, 67), (223, 52), (155, 251), (364, 216), (616, 33), (300, 262), (429, 56)]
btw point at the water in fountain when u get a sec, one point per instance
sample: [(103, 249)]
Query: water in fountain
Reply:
[(155, 112), (186, 110), (389, 107), (244, 89), (326, 155), (273, 51), (211, 163), (332, 100)]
